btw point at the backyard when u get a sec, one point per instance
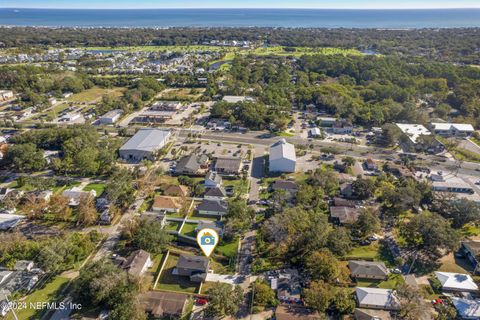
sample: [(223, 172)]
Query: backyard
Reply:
[(170, 282)]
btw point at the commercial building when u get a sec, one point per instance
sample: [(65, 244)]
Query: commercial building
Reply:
[(111, 116), (282, 157), (144, 144), (452, 129)]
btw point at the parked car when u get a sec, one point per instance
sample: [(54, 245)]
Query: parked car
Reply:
[(201, 301)]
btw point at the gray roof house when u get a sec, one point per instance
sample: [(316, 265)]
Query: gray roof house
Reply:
[(195, 267), (215, 225), (228, 165), (212, 208), (191, 164), (144, 145), (286, 185), (213, 179), (344, 215), (375, 298), (169, 305), (368, 270), (282, 157), (137, 263), (217, 193)]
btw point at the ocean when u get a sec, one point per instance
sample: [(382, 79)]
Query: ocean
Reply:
[(288, 18)]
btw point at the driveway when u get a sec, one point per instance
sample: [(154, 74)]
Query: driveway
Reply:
[(225, 278)]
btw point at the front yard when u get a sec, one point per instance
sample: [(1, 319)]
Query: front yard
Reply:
[(170, 282)]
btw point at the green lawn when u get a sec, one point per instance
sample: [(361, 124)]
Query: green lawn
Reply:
[(189, 229), (172, 225), (94, 94), (60, 189), (170, 282), (48, 293), (98, 187), (228, 249), (240, 186), (465, 155), (391, 283), (370, 252)]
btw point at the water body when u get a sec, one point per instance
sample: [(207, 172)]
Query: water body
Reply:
[(290, 18)]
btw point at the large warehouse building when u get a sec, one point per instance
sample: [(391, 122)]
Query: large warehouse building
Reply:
[(282, 157), (144, 145)]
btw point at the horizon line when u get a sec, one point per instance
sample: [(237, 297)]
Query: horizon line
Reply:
[(242, 8)]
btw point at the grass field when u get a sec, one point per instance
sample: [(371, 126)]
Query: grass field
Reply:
[(170, 282), (172, 226), (94, 94), (189, 229), (465, 155), (98, 187), (182, 94), (371, 252), (188, 48), (240, 186), (391, 283), (228, 249), (300, 51), (49, 293)]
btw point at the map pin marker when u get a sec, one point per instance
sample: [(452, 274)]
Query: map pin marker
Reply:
[(207, 239)]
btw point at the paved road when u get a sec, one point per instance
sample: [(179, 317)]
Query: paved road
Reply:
[(357, 151), (257, 171)]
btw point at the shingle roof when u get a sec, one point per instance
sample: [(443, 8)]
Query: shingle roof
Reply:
[(228, 164), (284, 185), (195, 263), (359, 268), (213, 205), (216, 192), (174, 190), (166, 202), (164, 303), (344, 214), (369, 314), (136, 261), (282, 150), (191, 163), (146, 140), (213, 176)]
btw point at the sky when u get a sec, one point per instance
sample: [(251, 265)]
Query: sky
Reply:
[(328, 4)]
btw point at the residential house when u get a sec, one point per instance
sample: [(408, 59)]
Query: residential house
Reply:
[(456, 282), (195, 267), (212, 180), (314, 132), (414, 138), (368, 270), (344, 215), (105, 217), (452, 129), (235, 99), (212, 208), (346, 189), (137, 263), (174, 190), (295, 312), (371, 314), (228, 166), (111, 116), (217, 193), (282, 157), (75, 194), (467, 308), (376, 298), (288, 186), (162, 305), (471, 250), (144, 145), (167, 204), (341, 202), (327, 121), (8, 221), (192, 165), (342, 127), (215, 225)]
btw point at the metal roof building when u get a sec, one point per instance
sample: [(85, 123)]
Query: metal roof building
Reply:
[(144, 144), (282, 157)]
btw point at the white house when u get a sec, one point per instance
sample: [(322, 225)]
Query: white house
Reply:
[(375, 298), (212, 180), (452, 129), (144, 144), (467, 309), (456, 282), (282, 157), (6, 95), (75, 194)]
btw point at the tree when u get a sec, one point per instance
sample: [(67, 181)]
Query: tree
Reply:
[(224, 299), (460, 211), (412, 304), (25, 157), (348, 161), (339, 242), (318, 296), (363, 188), (151, 237), (430, 234), (59, 207), (34, 207), (390, 135), (322, 265), (120, 188), (264, 295), (344, 301), (86, 211), (367, 222), (239, 216)]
